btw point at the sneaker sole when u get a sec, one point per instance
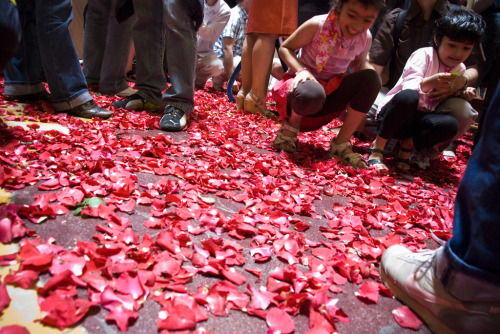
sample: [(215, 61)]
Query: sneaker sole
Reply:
[(423, 313)]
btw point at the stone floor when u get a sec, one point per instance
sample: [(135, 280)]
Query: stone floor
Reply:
[(68, 229)]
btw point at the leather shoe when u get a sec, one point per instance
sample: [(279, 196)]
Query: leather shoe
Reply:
[(89, 110), (40, 96)]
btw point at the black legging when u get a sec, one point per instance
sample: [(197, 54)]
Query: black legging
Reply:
[(357, 90), (400, 119)]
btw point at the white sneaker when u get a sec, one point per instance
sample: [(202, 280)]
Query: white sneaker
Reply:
[(413, 278)]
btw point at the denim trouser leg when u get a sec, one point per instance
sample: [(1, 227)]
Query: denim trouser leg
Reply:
[(475, 248), (22, 74), (106, 46), (50, 42), (60, 61), (149, 40), (181, 55)]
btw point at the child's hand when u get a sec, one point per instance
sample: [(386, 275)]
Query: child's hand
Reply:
[(440, 81), (302, 76), (468, 93)]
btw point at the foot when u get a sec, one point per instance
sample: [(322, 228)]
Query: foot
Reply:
[(126, 92), (174, 119), (286, 138), (344, 152), (137, 102), (88, 110), (40, 96), (255, 105), (464, 305), (376, 160), (240, 100), (403, 160)]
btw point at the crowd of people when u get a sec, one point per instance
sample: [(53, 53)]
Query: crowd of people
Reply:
[(405, 76)]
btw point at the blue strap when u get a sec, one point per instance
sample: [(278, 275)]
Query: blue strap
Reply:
[(231, 81)]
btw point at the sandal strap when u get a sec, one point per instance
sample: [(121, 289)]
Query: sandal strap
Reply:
[(289, 127), (375, 150), (372, 162), (258, 101)]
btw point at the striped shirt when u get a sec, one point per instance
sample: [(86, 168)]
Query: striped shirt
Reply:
[(235, 29)]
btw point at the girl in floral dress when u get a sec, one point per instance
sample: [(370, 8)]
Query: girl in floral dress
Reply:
[(330, 75)]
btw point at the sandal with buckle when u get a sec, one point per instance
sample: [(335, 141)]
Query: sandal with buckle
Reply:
[(344, 152), (254, 104), (403, 163), (285, 142), (240, 100), (378, 163)]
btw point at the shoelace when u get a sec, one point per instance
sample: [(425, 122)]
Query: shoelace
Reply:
[(172, 112)]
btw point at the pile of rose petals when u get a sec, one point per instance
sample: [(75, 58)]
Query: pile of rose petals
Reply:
[(324, 223)]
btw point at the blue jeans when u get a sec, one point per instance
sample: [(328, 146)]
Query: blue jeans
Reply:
[(165, 28), (46, 45), (474, 248), (10, 30), (106, 47)]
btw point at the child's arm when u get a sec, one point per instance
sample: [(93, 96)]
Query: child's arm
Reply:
[(438, 81), (361, 60), (301, 37)]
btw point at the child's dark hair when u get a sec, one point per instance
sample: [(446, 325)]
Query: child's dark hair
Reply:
[(378, 4), (460, 25)]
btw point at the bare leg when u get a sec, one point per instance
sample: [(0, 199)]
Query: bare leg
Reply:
[(262, 55), (340, 146), (351, 122), (246, 63)]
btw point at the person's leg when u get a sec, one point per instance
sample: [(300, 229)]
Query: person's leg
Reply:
[(395, 121), (22, 74), (357, 92), (181, 55), (206, 68), (181, 59), (465, 115), (61, 65), (456, 289), (431, 128), (10, 30), (261, 57), (305, 100), (149, 41), (94, 38), (114, 62)]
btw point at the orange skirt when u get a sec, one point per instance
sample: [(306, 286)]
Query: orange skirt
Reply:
[(273, 17)]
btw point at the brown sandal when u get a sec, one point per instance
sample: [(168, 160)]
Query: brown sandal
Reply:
[(254, 104), (344, 152), (285, 142)]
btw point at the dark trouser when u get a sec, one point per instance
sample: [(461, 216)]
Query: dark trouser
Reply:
[(357, 90), (10, 30), (400, 119)]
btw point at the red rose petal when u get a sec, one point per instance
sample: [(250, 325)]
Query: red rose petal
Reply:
[(368, 291), (279, 321), (406, 318)]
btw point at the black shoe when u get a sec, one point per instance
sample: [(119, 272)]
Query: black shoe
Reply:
[(174, 119), (40, 96), (89, 110), (137, 102)]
